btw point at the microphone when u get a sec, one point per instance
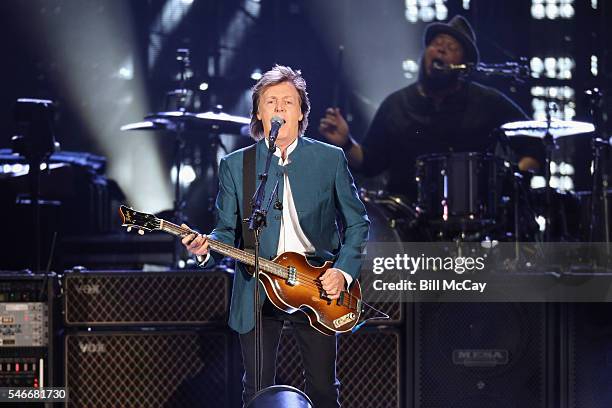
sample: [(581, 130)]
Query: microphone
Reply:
[(440, 66), (276, 123)]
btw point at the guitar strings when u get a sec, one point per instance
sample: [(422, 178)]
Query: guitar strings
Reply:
[(281, 270)]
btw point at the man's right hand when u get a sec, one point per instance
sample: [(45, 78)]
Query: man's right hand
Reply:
[(334, 127), (196, 244)]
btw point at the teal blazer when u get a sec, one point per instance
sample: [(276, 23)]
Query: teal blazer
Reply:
[(322, 188)]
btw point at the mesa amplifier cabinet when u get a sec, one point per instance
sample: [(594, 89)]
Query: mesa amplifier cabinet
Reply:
[(589, 367), (482, 355), (154, 368), (136, 298), (26, 329)]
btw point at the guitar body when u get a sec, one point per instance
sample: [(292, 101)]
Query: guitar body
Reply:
[(325, 315)]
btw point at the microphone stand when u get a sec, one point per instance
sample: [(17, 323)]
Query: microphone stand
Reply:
[(257, 221)]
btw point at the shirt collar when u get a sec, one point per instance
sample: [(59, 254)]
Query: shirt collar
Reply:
[(290, 148)]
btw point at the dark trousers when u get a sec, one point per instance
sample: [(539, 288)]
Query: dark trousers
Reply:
[(318, 356)]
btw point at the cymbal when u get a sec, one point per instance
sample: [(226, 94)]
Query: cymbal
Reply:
[(538, 128), (144, 125), (222, 119), (219, 122)]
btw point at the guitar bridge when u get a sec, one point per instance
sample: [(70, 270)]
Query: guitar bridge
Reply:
[(347, 301), (291, 276)]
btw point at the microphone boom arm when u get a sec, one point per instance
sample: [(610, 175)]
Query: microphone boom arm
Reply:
[(518, 71)]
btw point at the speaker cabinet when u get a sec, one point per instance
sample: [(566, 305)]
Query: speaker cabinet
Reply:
[(369, 364), (133, 298), (151, 369), (590, 355), (480, 355)]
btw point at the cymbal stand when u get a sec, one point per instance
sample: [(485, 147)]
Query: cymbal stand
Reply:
[(509, 155), (599, 197), (549, 147), (214, 143), (212, 149), (36, 142)]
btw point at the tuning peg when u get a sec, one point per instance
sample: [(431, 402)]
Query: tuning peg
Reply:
[(141, 232), (129, 229)]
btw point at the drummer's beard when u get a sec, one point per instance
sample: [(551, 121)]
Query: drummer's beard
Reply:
[(437, 80)]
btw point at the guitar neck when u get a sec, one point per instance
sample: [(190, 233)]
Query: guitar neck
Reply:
[(227, 250)]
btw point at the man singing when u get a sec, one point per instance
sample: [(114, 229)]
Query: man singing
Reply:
[(315, 187), (440, 113)]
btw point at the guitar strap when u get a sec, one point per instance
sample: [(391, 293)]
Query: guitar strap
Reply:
[(248, 189)]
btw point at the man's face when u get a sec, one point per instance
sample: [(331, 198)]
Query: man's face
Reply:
[(281, 100), (444, 49)]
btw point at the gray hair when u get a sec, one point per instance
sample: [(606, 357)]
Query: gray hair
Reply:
[(277, 75)]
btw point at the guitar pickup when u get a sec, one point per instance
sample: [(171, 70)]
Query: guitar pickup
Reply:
[(341, 298), (291, 276)]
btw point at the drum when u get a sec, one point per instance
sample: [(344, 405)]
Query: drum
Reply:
[(463, 190), (392, 218)]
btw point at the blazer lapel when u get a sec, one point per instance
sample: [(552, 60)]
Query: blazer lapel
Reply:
[(301, 173)]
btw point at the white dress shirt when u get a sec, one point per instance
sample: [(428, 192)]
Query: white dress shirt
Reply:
[(292, 237)]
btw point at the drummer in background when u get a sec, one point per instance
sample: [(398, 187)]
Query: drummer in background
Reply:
[(442, 112)]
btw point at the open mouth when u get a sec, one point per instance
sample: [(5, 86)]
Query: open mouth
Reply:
[(437, 63), (278, 119)]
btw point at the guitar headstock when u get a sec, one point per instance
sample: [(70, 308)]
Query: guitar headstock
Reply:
[(136, 219)]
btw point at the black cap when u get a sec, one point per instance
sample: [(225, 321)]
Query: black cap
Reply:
[(459, 28)]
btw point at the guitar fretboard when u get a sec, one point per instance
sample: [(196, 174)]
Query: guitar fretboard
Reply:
[(228, 250)]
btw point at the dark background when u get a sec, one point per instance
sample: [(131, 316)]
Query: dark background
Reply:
[(72, 52)]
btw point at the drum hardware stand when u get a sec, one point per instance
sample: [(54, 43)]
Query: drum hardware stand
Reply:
[(549, 147), (516, 186), (600, 175), (516, 180), (600, 187), (519, 72), (36, 142), (182, 56), (214, 142)]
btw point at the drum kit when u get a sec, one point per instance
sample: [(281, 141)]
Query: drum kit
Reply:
[(472, 197)]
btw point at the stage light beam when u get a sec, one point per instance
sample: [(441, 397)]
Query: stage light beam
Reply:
[(93, 47)]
